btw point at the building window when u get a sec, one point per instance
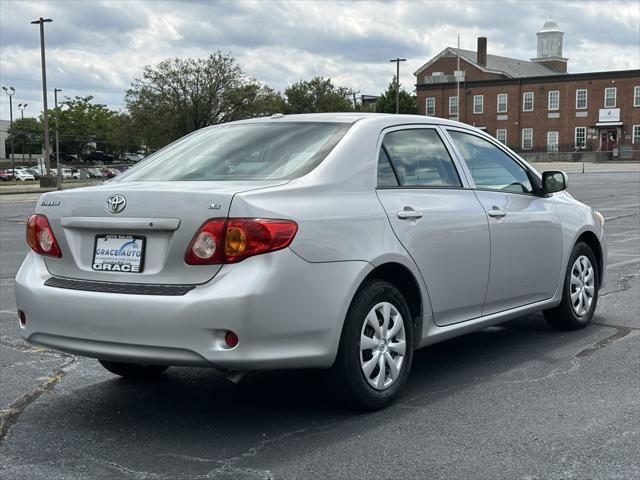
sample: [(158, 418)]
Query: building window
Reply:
[(478, 103), (502, 102), (431, 106), (636, 96), (527, 138), (581, 137), (501, 135), (554, 100), (552, 142), (453, 106), (527, 102), (610, 97), (636, 134), (581, 99)]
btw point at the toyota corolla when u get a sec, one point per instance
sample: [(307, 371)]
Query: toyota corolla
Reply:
[(341, 241)]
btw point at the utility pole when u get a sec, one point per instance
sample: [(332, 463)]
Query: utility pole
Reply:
[(354, 98), (11, 92), (41, 21), (59, 170), (397, 61)]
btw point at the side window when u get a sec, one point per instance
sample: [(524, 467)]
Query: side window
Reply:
[(490, 167), (420, 159), (386, 177)]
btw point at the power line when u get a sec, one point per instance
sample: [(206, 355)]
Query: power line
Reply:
[(66, 85)]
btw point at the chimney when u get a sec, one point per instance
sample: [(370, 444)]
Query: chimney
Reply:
[(482, 51)]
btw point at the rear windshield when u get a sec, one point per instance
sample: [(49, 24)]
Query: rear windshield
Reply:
[(257, 151)]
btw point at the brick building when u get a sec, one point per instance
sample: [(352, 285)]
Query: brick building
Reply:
[(536, 106)]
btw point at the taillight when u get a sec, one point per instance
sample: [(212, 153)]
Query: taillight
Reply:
[(40, 237), (232, 240)]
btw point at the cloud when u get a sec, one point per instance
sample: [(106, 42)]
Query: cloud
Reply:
[(97, 47)]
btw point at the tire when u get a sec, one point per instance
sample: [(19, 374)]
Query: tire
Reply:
[(567, 315), (372, 392), (133, 370)]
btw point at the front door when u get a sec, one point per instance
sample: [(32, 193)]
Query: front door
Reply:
[(441, 224), (608, 140), (526, 235)]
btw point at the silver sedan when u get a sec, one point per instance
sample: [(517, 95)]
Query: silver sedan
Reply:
[(339, 241)]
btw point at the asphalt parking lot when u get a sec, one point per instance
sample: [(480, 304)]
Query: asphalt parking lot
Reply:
[(517, 401)]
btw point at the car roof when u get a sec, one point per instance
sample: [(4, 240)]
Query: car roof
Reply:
[(384, 119)]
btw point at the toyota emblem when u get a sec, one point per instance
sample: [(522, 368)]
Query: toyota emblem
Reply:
[(116, 203)]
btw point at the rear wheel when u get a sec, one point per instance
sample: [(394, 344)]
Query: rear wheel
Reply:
[(133, 370), (376, 347), (580, 292)]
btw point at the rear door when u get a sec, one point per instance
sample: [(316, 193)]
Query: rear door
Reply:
[(526, 234), (439, 221)]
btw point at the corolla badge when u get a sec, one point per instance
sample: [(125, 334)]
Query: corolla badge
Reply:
[(116, 203)]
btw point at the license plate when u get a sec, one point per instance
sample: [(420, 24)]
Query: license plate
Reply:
[(118, 253)]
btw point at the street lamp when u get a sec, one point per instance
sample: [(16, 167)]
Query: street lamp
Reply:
[(22, 106), (11, 92), (41, 21), (59, 170), (398, 60)]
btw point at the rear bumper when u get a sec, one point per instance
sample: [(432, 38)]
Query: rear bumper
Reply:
[(287, 313)]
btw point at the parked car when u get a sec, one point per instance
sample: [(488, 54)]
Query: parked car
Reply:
[(342, 241), (22, 175), (98, 156), (64, 157), (111, 172), (95, 173), (35, 172), (6, 175), (131, 157)]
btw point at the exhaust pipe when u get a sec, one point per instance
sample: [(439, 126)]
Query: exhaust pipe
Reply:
[(235, 377)]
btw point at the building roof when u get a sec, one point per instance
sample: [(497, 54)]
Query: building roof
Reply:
[(550, 26), (510, 67)]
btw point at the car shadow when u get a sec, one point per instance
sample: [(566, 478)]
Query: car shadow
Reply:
[(194, 412)]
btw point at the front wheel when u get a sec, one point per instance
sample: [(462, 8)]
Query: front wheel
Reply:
[(580, 291), (133, 370), (376, 347)]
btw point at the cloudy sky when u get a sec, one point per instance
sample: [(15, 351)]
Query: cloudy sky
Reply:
[(97, 47)]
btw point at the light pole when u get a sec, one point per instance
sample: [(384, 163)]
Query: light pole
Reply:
[(59, 170), (41, 21), (398, 60), (11, 92), (22, 106)]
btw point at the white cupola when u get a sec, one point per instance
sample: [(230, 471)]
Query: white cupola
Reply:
[(550, 47)]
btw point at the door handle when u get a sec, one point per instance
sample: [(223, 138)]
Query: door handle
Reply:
[(404, 214), (496, 212)]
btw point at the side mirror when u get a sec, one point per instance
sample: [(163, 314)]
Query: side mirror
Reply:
[(554, 181)]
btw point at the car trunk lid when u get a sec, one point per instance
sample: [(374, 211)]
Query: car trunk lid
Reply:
[(157, 224)]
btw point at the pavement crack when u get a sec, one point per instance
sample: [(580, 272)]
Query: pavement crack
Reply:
[(128, 471), (11, 414), (620, 333), (33, 349), (623, 283)]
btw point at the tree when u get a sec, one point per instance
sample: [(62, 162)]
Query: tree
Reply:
[(178, 96), (80, 122), (27, 135), (387, 101), (122, 135), (317, 95)]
